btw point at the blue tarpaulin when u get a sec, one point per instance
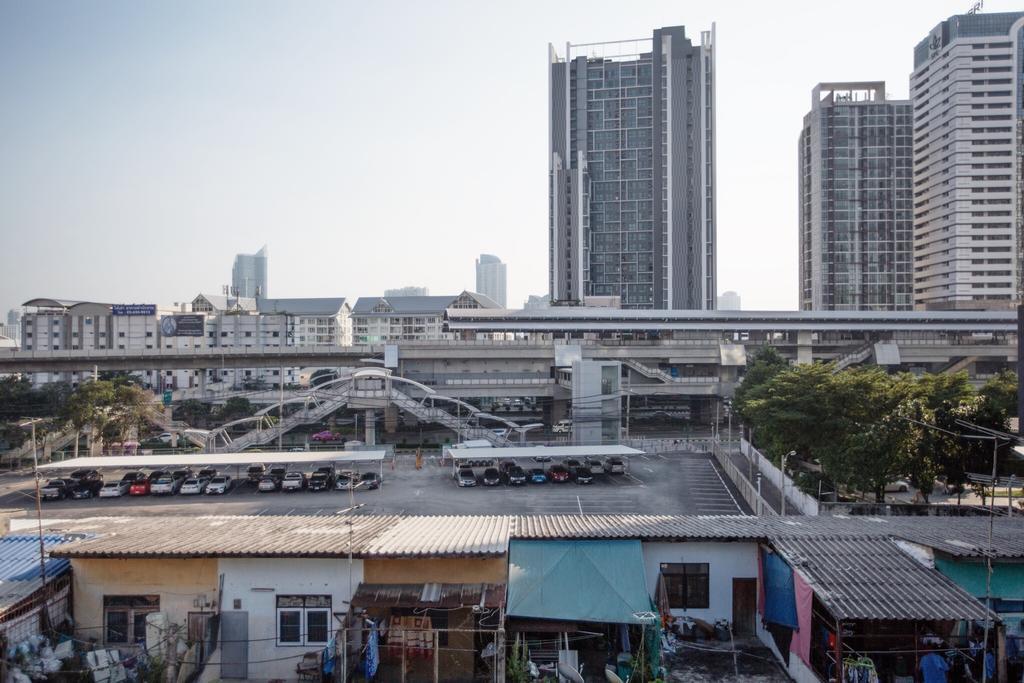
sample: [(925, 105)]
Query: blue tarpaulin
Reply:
[(779, 594), (597, 581)]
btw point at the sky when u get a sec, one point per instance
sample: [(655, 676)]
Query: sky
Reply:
[(374, 145)]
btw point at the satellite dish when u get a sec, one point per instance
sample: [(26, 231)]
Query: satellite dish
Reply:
[(569, 673)]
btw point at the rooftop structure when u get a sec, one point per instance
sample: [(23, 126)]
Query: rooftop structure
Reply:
[(249, 274)]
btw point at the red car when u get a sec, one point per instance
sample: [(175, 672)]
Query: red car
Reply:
[(139, 487), (559, 473)]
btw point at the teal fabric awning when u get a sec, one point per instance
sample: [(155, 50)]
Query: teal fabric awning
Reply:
[(597, 581)]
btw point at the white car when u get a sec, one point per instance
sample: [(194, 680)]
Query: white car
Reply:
[(562, 427), (293, 481), (165, 486), (898, 486), (115, 489), (219, 485), (166, 437), (195, 486)]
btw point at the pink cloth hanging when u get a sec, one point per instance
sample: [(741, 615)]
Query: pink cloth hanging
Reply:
[(800, 645)]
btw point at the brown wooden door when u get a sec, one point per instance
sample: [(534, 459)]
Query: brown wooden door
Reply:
[(744, 606)]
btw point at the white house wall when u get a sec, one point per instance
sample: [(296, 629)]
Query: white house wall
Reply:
[(246, 580), (726, 561)]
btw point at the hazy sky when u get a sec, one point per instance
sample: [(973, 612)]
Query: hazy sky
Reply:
[(374, 144)]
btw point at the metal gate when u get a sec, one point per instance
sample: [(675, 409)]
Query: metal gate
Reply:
[(234, 639)]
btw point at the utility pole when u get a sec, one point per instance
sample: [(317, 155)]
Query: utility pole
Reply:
[(44, 611)]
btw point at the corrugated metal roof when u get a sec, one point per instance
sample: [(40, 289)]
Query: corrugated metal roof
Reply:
[(488, 535), (866, 577), (19, 556), (513, 452), (477, 535), (403, 304), (226, 536), (436, 595)]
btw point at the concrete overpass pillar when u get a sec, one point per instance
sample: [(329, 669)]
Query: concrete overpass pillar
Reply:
[(804, 348), (202, 381), (371, 427), (390, 418)]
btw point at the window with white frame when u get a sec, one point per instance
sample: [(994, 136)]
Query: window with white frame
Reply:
[(303, 619)]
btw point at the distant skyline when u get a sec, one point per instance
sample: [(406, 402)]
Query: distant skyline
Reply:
[(146, 143)]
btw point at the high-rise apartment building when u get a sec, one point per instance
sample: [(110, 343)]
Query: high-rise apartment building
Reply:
[(491, 278), (249, 275), (632, 171), (856, 225), (729, 301), (966, 93)]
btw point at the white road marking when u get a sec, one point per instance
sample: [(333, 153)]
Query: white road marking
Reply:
[(579, 504)]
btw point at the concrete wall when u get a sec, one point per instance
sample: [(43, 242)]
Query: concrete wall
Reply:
[(179, 583), (461, 570), (247, 580), (726, 561)]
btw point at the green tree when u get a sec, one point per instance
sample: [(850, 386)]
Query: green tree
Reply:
[(131, 408), (1001, 394), (89, 406), (763, 366), (235, 408), (193, 412)]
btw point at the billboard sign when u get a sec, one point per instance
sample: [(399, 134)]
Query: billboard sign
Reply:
[(133, 309), (182, 325)]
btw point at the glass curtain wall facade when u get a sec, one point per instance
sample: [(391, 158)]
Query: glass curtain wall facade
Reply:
[(856, 226), (249, 275), (632, 202)]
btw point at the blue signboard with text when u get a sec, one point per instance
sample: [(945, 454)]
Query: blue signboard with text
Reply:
[(133, 309)]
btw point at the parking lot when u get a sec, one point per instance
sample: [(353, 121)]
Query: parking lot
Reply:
[(664, 483)]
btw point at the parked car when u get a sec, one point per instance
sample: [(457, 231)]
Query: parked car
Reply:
[(614, 465), (182, 474), (559, 474), (370, 480), (505, 465), (516, 476), (167, 485), (583, 475), (898, 486), (327, 435), (256, 472), (132, 477), (85, 475), (542, 458), (157, 474), (115, 489), (537, 476), (492, 477), (278, 472), (194, 486), (466, 477), (140, 487), (346, 480), (166, 437), (571, 464), (207, 473), (322, 479), (562, 427), (268, 484), (219, 485), (85, 488), (294, 481), (55, 489), (594, 465)]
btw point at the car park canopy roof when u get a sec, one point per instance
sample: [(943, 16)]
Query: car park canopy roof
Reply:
[(214, 459), (512, 453)]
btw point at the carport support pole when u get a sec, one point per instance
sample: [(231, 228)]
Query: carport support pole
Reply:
[(280, 411)]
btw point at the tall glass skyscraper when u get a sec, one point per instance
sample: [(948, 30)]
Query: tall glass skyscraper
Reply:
[(632, 171), (249, 274), (491, 276), (856, 222)]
